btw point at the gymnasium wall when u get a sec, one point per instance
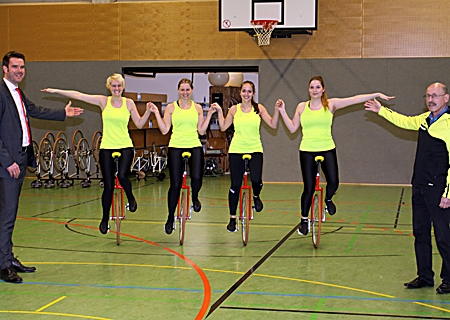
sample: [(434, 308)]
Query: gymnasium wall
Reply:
[(397, 47)]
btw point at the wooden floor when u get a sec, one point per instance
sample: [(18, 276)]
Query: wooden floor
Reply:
[(358, 271)]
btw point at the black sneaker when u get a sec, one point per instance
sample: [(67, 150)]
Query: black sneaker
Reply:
[(258, 203), (330, 207), (132, 206), (443, 288), (168, 227), (418, 283), (104, 226), (304, 227), (197, 205), (231, 227)]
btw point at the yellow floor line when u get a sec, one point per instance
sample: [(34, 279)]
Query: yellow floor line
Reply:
[(51, 303)]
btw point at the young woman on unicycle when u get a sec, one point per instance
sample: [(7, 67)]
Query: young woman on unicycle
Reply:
[(116, 113), (185, 117), (246, 118), (316, 118)]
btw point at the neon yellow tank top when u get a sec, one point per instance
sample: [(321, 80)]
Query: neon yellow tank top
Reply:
[(184, 127), (115, 126), (246, 137), (316, 130)]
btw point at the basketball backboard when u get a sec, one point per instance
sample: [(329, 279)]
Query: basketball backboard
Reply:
[(293, 16)]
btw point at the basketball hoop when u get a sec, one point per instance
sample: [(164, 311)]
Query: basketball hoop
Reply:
[(263, 30)]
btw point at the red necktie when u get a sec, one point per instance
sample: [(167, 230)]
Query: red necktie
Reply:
[(25, 115)]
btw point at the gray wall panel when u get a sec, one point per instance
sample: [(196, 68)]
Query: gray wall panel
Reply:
[(370, 150)]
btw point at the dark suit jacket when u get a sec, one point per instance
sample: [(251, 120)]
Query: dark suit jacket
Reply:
[(11, 129)]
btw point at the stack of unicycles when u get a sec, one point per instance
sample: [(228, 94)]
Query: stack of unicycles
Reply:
[(61, 162)]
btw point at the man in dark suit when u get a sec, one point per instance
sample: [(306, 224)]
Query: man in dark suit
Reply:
[(16, 153)]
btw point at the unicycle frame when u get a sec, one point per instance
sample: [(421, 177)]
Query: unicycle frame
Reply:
[(245, 203), (183, 208), (118, 203), (316, 212)]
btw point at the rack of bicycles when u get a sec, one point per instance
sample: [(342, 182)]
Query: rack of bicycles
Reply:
[(62, 161), (152, 161)]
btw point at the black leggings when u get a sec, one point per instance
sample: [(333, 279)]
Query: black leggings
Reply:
[(176, 167), (108, 172), (309, 170), (237, 172)]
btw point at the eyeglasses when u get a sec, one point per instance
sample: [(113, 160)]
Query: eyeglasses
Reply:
[(434, 96)]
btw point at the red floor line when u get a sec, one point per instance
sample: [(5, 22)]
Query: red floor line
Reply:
[(203, 277)]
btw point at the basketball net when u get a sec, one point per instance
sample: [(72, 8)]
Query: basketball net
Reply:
[(263, 30)]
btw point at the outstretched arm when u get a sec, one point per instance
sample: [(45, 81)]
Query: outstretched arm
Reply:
[(293, 124), (339, 103), (271, 121), (97, 100), (137, 119)]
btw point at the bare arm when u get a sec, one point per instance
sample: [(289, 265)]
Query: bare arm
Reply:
[(165, 123), (205, 122), (97, 100), (137, 119), (271, 121), (339, 103), (293, 124), (224, 123)]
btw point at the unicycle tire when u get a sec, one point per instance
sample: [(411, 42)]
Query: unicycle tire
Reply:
[(184, 214), (316, 219)]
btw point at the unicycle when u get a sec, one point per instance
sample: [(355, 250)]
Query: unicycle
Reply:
[(118, 205), (317, 213), (245, 203), (183, 209)]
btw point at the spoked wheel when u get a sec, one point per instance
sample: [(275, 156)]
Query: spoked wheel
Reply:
[(45, 154), (82, 154), (59, 154), (96, 148), (36, 156), (77, 136), (50, 137), (184, 215), (246, 216), (61, 135), (118, 212), (316, 219), (97, 135)]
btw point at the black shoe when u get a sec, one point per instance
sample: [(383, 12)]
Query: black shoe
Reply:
[(330, 207), (418, 283), (9, 275), (304, 227), (443, 288), (132, 206), (258, 204), (197, 205), (231, 227), (168, 227), (19, 267), (104, 227)]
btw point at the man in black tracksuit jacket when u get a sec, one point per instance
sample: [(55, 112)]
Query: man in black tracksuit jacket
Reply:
[(430, 183)]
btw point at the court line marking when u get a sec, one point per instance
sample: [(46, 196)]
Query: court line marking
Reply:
[(51, 303), (359, 227), (55, 314), (241, 280), (204, 279), (388, 297)]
